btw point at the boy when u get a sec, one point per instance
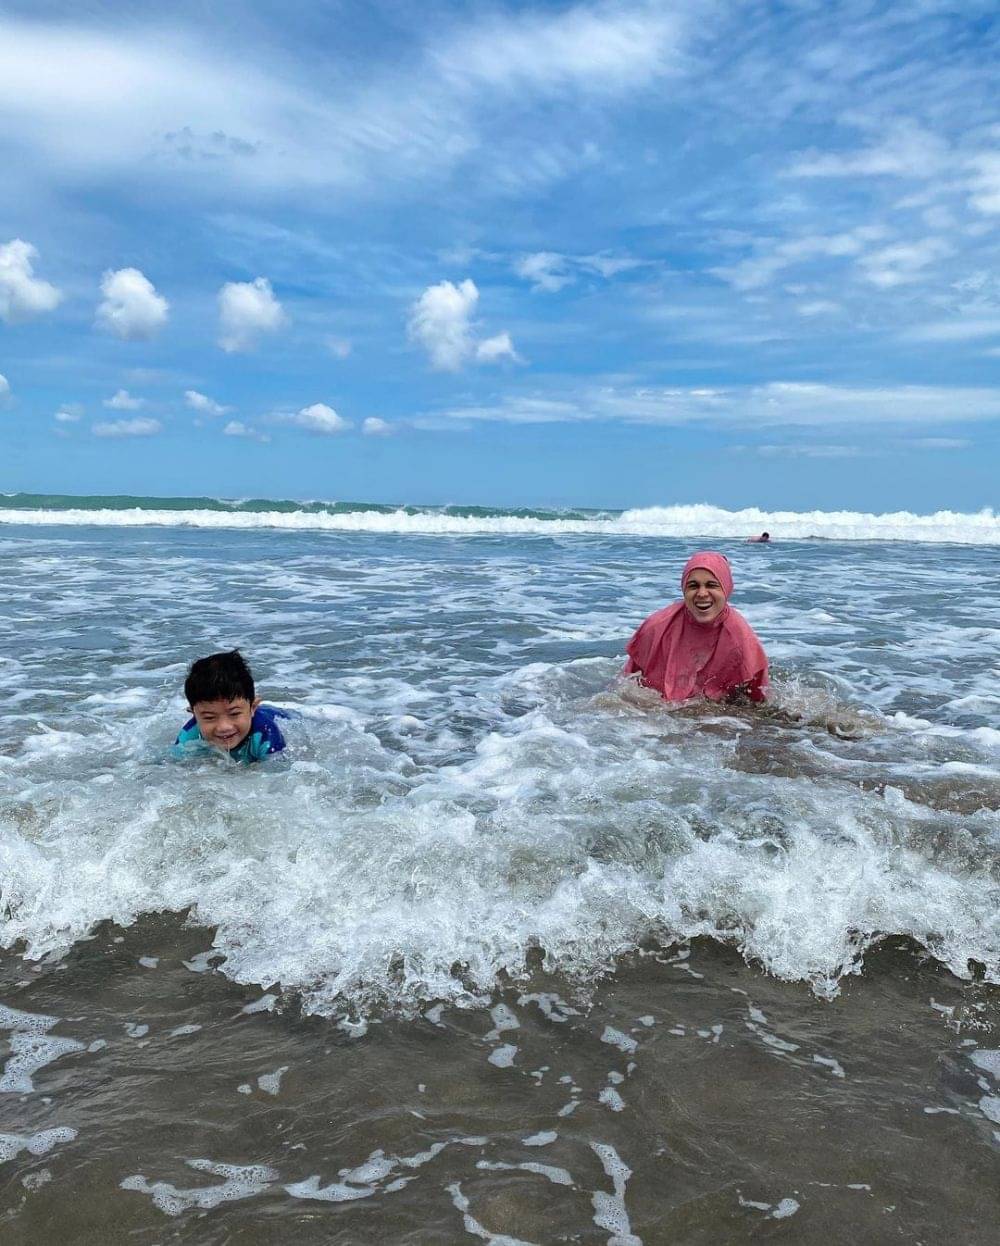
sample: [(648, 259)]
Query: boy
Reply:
[(227, 714)]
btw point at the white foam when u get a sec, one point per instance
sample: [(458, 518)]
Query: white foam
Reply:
[(335, 1192), (616, 1038), (989, 1105), (987, 1060), (503, 1020), (503, 1056), (472, 1225), (835, 1067), (612, 1099), (609, 1209), (40, 1143), (30, 1052), (558, 1176), (238, 1182), (699, 520), (270, 1083), (535, 812)]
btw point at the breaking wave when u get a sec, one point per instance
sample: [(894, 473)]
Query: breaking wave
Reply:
[(697, 520)]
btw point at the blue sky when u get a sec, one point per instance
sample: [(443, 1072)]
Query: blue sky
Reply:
[(610, 254)]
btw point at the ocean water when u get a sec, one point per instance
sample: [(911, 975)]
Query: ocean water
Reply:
[(503, 948)]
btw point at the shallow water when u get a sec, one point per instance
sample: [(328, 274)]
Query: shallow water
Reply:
[(479, 870)]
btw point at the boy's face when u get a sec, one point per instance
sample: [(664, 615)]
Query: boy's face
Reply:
[(224, 723)]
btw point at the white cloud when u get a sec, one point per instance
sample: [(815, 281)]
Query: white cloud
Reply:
[(778, 403), (4, 387), (609, 265), (813, 451), (123, 401), (901, 263), (549, 271), (236, 428), (318, 418), (247, 310), (204, 404), (773, 258), (941, 443), (546, 271), (588, 47), (375, 427), (68, 413), (441, 322), (171, 103), (131, 309), (338, 347), (985, 183), (818, 307), (953, 331), (492, 349), (22, 294), (140, 427), (906, 150)]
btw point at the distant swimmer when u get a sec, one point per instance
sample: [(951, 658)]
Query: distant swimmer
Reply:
[(701, 646), (227, 713), (759, 540)]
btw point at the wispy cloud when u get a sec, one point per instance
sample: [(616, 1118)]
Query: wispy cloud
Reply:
[(4, 388), (773, 258), (339, 347), (545, 270), (586, 47), (906, 150), (957, 330), (139, 427), (550, 271), (111, 102), (902, 262), (804, 451), (779, 403), (374, 426)]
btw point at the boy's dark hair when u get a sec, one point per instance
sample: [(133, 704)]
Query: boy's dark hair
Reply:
[(219, 677)]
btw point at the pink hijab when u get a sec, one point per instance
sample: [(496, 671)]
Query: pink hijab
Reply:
[(681, 657)]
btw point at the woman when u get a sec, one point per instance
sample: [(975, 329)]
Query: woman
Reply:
[(701, 646)]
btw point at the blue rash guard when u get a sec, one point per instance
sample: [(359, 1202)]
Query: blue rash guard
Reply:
[(263, 738)]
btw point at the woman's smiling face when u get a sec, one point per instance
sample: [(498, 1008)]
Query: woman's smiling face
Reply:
[(704, 596)]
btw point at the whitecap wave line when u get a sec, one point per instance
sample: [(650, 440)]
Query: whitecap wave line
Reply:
[(941, 527)]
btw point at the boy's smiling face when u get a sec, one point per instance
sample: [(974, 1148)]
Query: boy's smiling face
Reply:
[(224, 724)]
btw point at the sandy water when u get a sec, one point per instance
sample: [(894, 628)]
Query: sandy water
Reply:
[(499, 950)]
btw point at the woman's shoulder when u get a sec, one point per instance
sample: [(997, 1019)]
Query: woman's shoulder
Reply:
[(738, 624), (663, 615)]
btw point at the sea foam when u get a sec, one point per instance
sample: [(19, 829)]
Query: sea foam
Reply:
[(697, 520)]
